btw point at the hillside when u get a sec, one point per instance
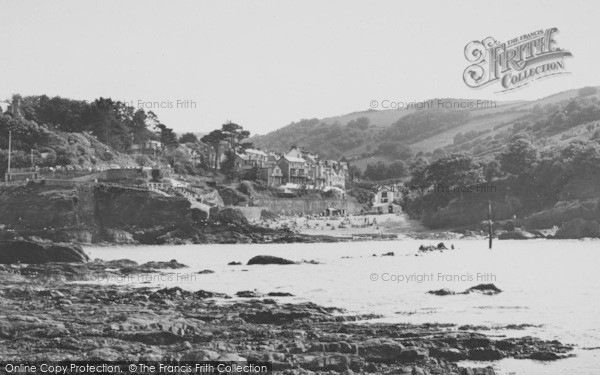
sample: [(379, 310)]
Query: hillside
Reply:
[(387, 135)]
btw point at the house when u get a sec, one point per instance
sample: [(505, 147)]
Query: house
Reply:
[(147, 147), (335, 173), (293, 170), (383, 201), (271, 174)]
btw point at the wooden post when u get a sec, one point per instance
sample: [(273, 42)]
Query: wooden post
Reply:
[(490, 223)]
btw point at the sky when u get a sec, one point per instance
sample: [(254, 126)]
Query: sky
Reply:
[(264, 64)]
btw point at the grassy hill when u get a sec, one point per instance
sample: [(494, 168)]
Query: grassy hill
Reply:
[(369, 136)]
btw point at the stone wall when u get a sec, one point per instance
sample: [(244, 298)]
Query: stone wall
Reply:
[(306, 206)]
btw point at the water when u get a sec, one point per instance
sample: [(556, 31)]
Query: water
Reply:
[(553, 285)]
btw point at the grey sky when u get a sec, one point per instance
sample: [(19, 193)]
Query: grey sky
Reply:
[(264, 64)]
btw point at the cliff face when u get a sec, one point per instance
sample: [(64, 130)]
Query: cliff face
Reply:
[(86, 213), (38, 207), (126, 208)]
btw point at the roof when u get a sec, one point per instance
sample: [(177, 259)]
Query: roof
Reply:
[(255, 152), (293, 159)]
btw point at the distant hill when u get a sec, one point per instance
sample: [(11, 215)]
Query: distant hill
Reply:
[(368, 136)]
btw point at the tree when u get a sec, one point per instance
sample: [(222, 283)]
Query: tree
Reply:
[(360, 123), (454, 171), (228, 166), (491, 170), (234, 135), (397, 169), (519, 158), (214, 139), (167, 136), (418, 171), (188, 138)]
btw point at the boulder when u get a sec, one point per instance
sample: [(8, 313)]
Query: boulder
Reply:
[(268, 259), (172, 264), (228, 216), (249, 294), (488, 289), (20, 251), (442, 292), (544, 356), (280, 294)]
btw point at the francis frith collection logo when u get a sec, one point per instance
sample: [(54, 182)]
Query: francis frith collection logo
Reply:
[(514, 63)]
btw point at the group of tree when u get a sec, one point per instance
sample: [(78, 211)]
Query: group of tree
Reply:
[(231, 138), (114, 123), (385, 171)]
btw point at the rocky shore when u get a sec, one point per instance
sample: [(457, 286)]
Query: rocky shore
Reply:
[(46, 316)]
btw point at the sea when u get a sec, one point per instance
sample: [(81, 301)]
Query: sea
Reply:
[(552, 286)]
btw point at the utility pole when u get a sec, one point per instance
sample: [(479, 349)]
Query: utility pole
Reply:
[(32, 166), (8, 175)]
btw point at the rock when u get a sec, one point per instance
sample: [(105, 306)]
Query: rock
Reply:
[(413, 355), (488, 289), (440, 246), (388, 254), (172, 264), (231, 357), (380, 350), (249, 294), (155, 338), (451, 354), (268, 259), (336, 362), (20, 251), (544, 356), (228, 216), (442, 292), (579, 228), (118, 236), (280, 294), (118, 263), (312, 261), (204, 272), (234, 263), (477, 371), (485, 354), (200, 355)]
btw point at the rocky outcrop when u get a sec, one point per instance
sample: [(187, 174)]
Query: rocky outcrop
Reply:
[(442, 292), (54, 321), (579, 228), (20, 251), (118, 236), (440, 246), (487, 289), (228, 216), (268, 259)]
